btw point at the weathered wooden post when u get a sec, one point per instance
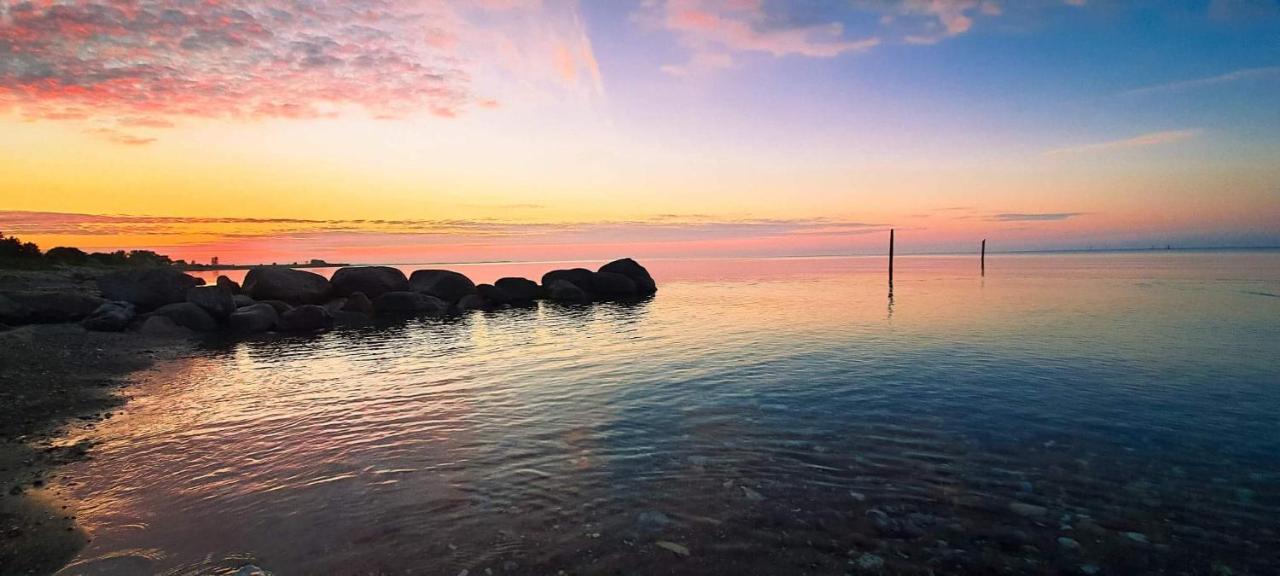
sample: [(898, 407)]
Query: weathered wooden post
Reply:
[(891, 261), (984, 256)]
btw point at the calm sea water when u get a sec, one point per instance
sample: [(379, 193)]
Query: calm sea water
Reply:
[(1089, 413)]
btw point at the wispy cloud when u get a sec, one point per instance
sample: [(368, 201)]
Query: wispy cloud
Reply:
[(147, 64), (1140, 141), (1035, 217), (1181, 85)]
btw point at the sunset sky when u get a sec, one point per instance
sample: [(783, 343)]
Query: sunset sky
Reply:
[(420, 131)]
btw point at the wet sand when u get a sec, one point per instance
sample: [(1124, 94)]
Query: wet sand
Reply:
[(55, 379)]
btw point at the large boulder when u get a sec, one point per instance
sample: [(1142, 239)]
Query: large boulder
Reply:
[(374, 281), (287, 284), (38, 307), (633, 270), (519, 290), (148, 289), (409, 304), (358, 303), (280, 305), (306, 318), (580, 277), (446, 285), (241, 300), (494, 295), (471, 302), (217, 300), (162, 327), (111, 317), (187, 315), (613, 285), (566, 291), (229, 284), (253, 319)]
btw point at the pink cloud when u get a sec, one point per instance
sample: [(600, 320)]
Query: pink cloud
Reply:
[(146, 64)]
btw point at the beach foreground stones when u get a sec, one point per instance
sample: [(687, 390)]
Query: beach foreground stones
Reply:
[(167, 302)]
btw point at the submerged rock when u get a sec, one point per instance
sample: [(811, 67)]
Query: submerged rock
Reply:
[(869, 562), (187, 315), (519, 290), (446, 285), (148, 289), (287, 284), (254, 318), (673, 547), (306, 318), (409, 304), (373, 281), (633, 270), (1028, 510), (111, 317), (218, 301)]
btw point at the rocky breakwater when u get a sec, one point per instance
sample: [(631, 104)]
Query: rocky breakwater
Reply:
[(168, 302)]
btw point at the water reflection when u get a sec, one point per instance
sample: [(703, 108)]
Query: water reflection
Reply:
[(772, 418)]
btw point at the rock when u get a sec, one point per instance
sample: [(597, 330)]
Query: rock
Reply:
[(471, 302), (163, 327), (633, 270), (287, 284), (673, 547), (373, 281), (409, 304), (520, 290), (358, 302), (218, 301), (40, 307), (280, 305), (446, 285), (614, 285), (566, 291), (1090, 569), (1138, 537), (580, 277), (111, 317), (241, 300), (652, 520), (496, 296), (229, 284), (1068, 543), (306, 318), (251, 570), (1028, 510), (187, 315), (254, 318), (12, 312), (869, 562), (148, 289)]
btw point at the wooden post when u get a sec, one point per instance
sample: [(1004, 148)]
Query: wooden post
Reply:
[(891, 261), (984, 256)]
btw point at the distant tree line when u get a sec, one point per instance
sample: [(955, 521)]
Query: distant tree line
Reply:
[(15, 253)]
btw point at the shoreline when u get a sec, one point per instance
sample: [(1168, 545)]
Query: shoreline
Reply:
[(57, 378)]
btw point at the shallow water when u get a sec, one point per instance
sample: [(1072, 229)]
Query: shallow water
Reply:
[(755, 417)]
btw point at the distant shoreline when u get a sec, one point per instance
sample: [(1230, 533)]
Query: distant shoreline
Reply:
[(212, 268)]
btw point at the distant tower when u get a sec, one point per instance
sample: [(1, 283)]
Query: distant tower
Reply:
[(215, 261)]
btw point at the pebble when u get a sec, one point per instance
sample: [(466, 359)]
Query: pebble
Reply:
[(869, 562), (752, 494), (1090, 569), (1137, 537), (1068, 543), (1028, 510), (860, 497), (672, 546)]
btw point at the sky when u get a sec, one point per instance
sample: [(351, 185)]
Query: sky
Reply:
[(402, 131)]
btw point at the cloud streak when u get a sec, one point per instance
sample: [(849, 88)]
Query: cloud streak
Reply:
[(1035, 217), (1140, 141), (1182, 85)]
